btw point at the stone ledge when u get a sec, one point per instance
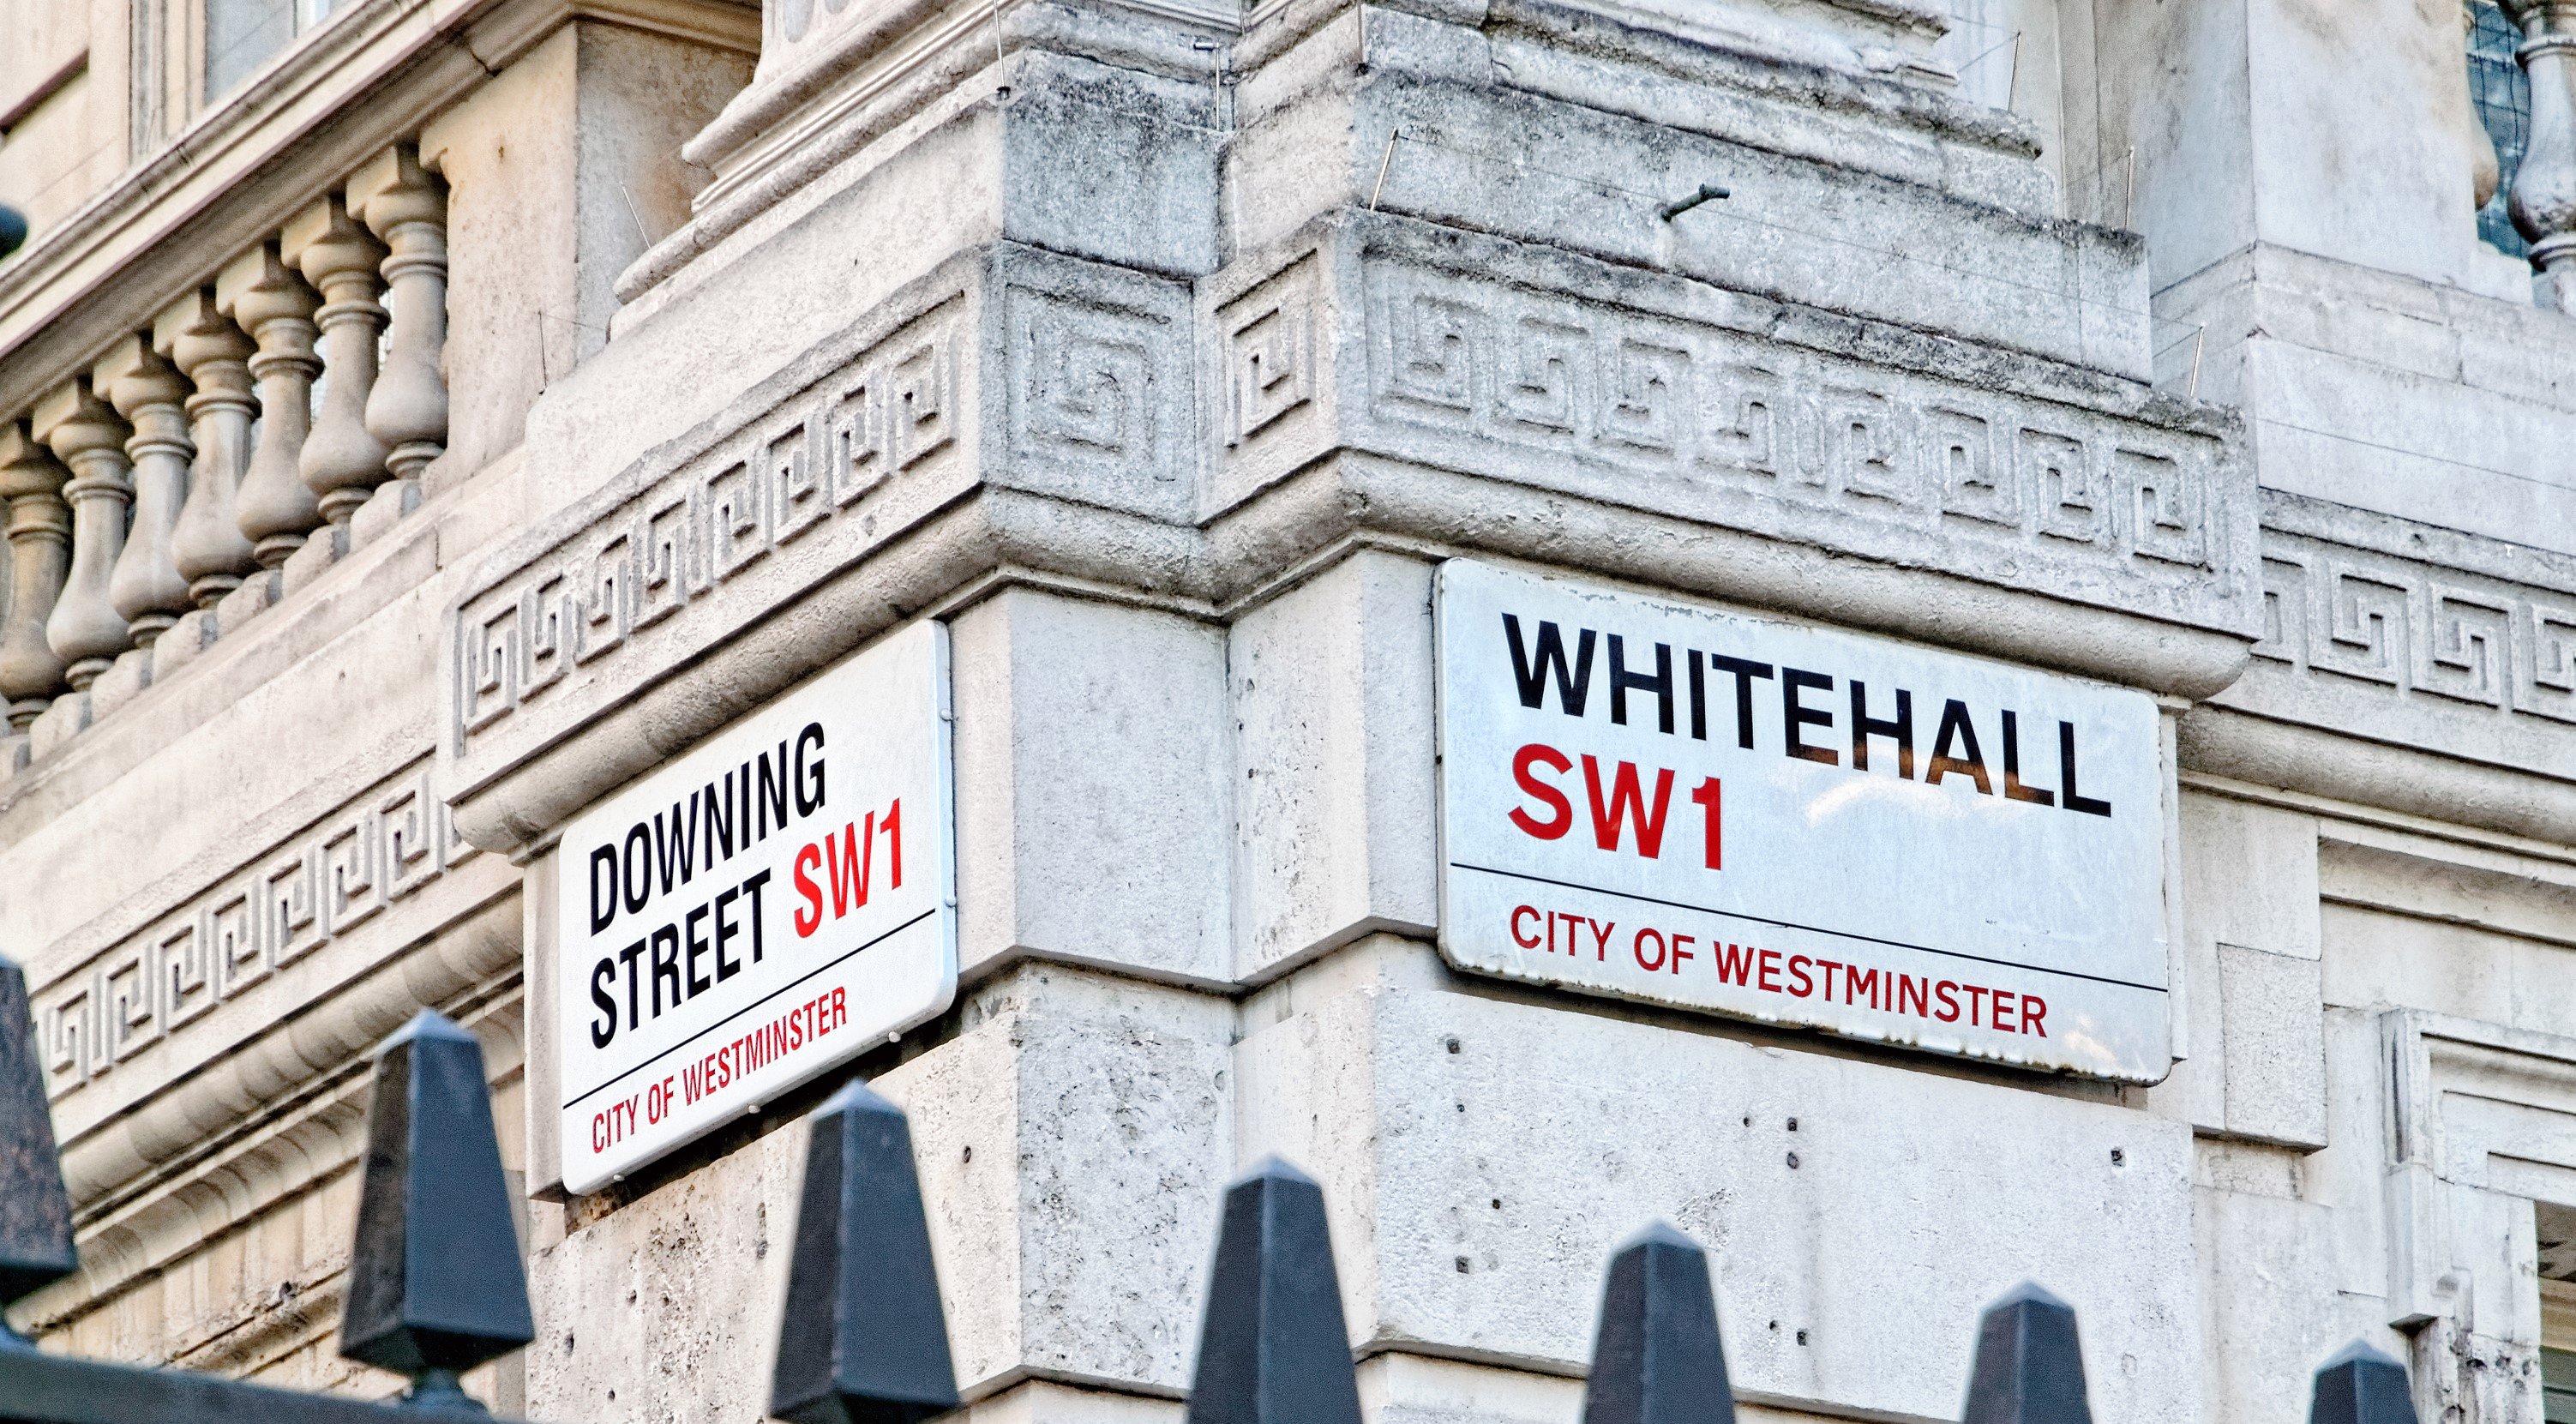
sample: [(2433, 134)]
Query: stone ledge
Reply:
[(304, 1141), (510, 797), (125, 1122), (2340, 764), (2408, 667), (1016, 411)]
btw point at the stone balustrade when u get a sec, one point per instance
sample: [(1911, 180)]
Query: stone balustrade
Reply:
[(201, 470), (2544, 185)]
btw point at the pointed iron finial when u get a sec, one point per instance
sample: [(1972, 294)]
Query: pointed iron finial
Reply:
[(1272, 1345), (2029, 1369), (35, 1211), (2361, 1386), (1656, 1358), (865, 1339), (435, 1284)]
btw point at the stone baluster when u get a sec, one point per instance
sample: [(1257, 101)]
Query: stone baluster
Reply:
[(85, 629), (146, 585), (406, 205), (212, 552), (40, 553), (2485, 169), (343, 461), (269, 300), (2544, 185)]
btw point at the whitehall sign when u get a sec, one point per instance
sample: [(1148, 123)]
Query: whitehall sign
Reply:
[(759, 910), (1799, 825)]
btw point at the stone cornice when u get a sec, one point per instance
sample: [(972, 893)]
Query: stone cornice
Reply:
[(301, 1138), (340, 94), (2405, 666), (1020, 415)]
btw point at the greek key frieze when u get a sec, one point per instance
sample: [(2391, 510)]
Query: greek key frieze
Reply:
[(227, 939), (2411, 628), (722, 511), (1454, 354)]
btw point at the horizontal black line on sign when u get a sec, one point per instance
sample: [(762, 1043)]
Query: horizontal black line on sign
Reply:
[(570, 1103), (1811, 929)]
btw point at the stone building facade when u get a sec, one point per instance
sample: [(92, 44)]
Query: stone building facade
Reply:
[(422, 419)]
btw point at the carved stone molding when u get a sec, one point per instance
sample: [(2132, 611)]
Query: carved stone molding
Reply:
[(297, 1145), (223, 946), (2484, 1125), (1657, 393), (2455, 651), (1099, 387), (788, 485), (1023, 414)]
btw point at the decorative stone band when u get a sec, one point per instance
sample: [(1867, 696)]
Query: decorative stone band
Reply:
[(1655, 392), (222, 936), (2405, 666), (1130, 432), (155, 1223)]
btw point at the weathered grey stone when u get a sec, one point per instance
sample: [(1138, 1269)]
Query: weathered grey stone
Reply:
[(123, 681), (1370, 335), (312, 558), (2273, 1039), (1092, 780), (2436, 646), (1333, 813), (1583, 1126), (392, 500), (182, 641), (1162, 351), (1072, 1142), (66, 718), (245, 603)]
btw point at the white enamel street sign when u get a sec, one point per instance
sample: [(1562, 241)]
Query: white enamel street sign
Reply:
[(1799, 825), (758, 910)]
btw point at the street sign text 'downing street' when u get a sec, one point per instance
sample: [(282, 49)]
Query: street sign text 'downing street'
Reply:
[(1796, 824), (759, 910)]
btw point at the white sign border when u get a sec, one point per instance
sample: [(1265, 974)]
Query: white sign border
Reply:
[(944, 785), (2177, 1009)]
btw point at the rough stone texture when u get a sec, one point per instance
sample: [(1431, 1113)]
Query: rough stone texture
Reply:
[(2274, 1041), (554, 171), (2405, 397), (1382, 333), (1583, 1127), (1334, 828), (238, 607), (312, 558), (58, 723), (124, 679), (1092, 757), (2442, 648), (1163, 351), (374, 519), (1072, 1140), (2253, 1060), (180, 643)]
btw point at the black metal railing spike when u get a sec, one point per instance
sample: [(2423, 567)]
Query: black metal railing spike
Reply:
[(1273, 1348), (435, 1281), (2030, 1366), (2361, 1386), (864, 1339), (35, 1210), (1656, 1358)]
